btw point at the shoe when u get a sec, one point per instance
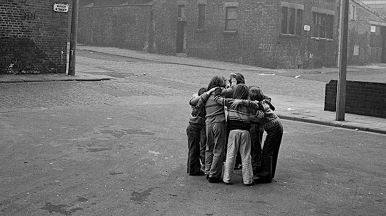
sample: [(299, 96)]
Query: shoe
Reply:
[(199, 173), (262, 180), (228, 183), (214, 180), (251, 184)]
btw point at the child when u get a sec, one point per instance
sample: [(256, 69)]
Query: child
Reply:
[(256, 131), (270, 122), (239, 138), (196, 125), (215, 131)]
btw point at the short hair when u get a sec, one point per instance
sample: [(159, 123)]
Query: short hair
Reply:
[(255, 93), (241, 92), (201, 91)]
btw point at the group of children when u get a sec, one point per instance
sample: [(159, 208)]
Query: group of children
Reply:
[(228, 122)]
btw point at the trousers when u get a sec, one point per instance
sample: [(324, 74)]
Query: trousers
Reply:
[(214, 153), (238, 141)]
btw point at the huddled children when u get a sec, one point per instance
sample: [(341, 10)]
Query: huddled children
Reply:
[(230, 120)]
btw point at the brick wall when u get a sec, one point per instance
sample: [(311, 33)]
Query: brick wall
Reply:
[(360, 37), (363, 98), (255, 40), (125, 26), (164, 26), (32, 37), (306, 51)]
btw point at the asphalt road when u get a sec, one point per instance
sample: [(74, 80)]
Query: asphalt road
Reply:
[(119, 147)]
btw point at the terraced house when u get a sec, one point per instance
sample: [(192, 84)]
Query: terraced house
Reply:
[(267, 33), (33, 36), (367, 33)]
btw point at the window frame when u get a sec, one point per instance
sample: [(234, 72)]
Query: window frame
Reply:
[(228, 19), (323, 25), (291, 19)]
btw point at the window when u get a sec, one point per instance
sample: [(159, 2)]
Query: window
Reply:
[(231, 19), (181, 11), (353, 12), (291, 21), (323, 25), (201, 16)]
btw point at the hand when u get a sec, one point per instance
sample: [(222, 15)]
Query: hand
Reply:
[(233, 81), (212, 90), (235, 103)]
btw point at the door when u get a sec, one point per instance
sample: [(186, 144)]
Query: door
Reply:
[(181, 30), (181, 42)]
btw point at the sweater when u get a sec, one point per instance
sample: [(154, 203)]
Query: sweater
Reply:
[(238, 118)]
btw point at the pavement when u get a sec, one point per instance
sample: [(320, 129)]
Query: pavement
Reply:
[(306, 110)]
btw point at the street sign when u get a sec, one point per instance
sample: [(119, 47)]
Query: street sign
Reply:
[(63, 8)]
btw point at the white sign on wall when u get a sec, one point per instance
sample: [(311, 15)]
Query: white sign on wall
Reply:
[(63, 8), (373, 29), (307, 28), (356, 50)]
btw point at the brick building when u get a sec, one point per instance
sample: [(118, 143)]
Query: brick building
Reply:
[(367, 30), (33, 36), (266, 33)]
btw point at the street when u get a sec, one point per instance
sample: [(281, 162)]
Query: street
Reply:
[(119, 147)]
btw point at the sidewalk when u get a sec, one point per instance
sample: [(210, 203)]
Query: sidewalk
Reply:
[(311, 111)]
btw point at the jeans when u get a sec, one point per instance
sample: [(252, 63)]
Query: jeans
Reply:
[(214, 153), (239, 140), (194, 136)]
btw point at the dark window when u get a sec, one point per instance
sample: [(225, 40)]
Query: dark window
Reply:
[(323, 25), (284, 20), (291, 21), (181, 11), (231, 19), (201, 16), (299, 22)]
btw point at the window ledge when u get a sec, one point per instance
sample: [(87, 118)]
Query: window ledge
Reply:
[(200, 30), (290, 36), (230, 32), (321, 39)]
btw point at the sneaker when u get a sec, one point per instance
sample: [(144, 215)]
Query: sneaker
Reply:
[(228, 183), (251, 184), (199, 173), (214, 180), (262, 180)]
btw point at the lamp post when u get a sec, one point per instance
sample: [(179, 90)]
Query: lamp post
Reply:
[(343, 37), (73, 37)]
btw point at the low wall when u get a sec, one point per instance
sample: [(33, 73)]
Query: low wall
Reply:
[(363, 98)]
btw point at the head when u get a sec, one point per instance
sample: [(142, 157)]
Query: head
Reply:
[(201, 91), (241, 92), (239, 78), (255, 93), (216, 82)]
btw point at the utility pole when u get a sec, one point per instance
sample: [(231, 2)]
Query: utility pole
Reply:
[(73, 37), (343, 37)]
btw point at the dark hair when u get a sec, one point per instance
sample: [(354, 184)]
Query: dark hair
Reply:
[(255, 93), (241, 92), (216, 82), (201, 91), (239, 78)]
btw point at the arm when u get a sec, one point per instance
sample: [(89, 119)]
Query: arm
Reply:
[(194, 100), (247, 103), (204, 97)]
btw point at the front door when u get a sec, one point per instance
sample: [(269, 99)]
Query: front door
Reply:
[(181, 41)]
